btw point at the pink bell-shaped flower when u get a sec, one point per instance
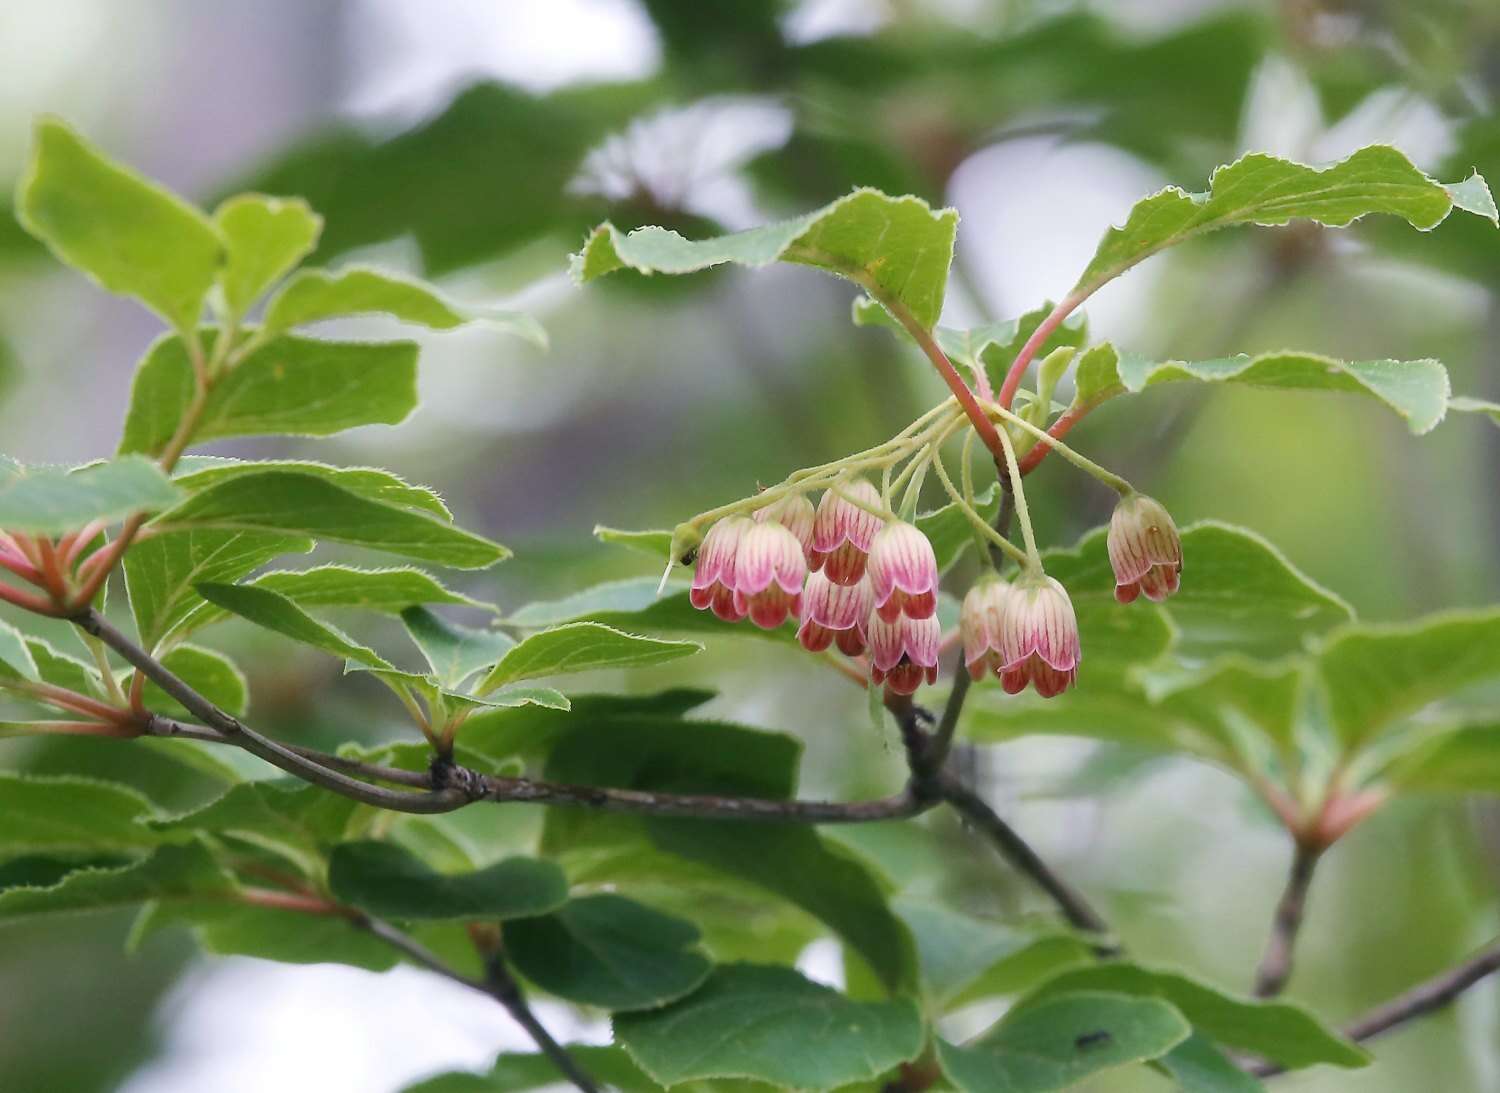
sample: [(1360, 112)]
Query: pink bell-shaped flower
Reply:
[(834, 614), (713, 578), (903, 572), (904, 651), (981, 622), (1144, 549), (768, 574), (795, 513), (1039, 637), (843, 532)]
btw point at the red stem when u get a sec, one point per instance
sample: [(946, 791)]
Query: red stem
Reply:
[(293, 901), (28, 601), (77, 703), (1071, 417), (77, 543), (17, 564), (1034, 344)]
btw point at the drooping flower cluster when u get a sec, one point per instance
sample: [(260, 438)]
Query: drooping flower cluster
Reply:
[(851, 579), (1021, 633)]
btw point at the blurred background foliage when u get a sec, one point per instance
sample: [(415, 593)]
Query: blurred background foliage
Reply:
[(476, 142)]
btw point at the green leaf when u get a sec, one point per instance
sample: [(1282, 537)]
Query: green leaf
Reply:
[(269, 933), (386, 591), (305, 504), (16, 659), (1261, 189), (265, 238), (1280, 1031), (517, 1073), (56, 500), (608, 951), (374, 483), (949, 529), (1376, 674), (504, 734), (1416, 390), (275, 612), (1197, 1066), (654, 544), (771, 1024), (1062, 1041), (211, 674), (291, 818), (1455, 759), (900, 242), (582, 647), (67, 813), (161, 571), (128, 234), (315, 294), (454, 652), (289, 386), (791, 861), (171, 872), (388, 880), (634, 604), (1461, 403)]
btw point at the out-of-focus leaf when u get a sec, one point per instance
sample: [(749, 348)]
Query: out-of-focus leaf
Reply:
[(388, 880), (1375, 674), (66, 813), (289, 386), (610, 952), (294, 819), (1456, 759), (1062, 1041), (1197, 1066), (771, 1024), (1467, 405), (656, 544), (171, 872), (315, 294), (264, 237), (128, 234), (56, 500), (16, 660)]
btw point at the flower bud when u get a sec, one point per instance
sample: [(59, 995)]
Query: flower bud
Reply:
[(980, 623), (1144, 549), (903, 572), (843, 532), (834, 613), (904, 651), (768, 574), (795, 513), (713, 579), (1038, 637)]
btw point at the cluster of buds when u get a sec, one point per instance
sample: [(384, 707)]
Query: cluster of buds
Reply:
[(851, 579), (865, 584)]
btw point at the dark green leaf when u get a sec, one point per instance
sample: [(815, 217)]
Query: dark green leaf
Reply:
[(171, 872), (610, 952), (771, 1024), (275, 612), (211, 674), (374, 483), (1062, 1041), (387, 880)]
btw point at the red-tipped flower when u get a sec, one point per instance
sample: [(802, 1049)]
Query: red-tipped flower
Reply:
[(1144, 549), (981, 622), (768, 574), (904, 651), (834, 614), (1039, 637), (903, 572), (843, 532), (795, 513), (713, 579)]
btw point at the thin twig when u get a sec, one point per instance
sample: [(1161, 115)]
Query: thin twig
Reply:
[(498, 984), (1015, 850), (1276, 965), (1422, 999)]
